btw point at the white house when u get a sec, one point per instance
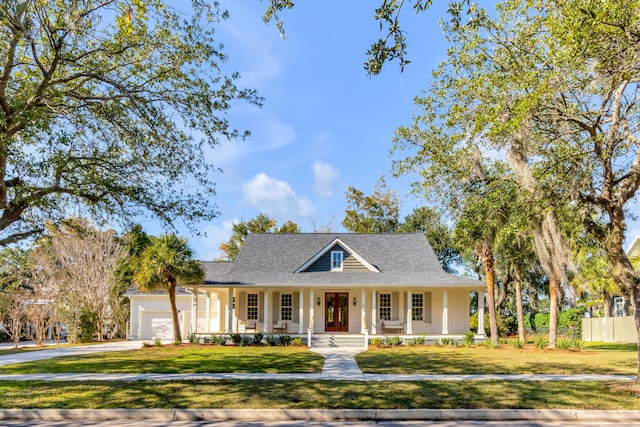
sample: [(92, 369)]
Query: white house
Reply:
[(320, 283)]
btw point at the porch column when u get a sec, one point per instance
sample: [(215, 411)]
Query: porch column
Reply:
[(409, 312), (301, 311), (229, 325), (194, 310), (312, 303), (481, 330), (374, 313), (208, 308), (363, 312), (265, 313), (445, 314)]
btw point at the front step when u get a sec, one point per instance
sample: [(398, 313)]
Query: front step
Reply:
[(330, 340)]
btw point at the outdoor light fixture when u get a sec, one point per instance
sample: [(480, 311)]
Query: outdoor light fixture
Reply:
[(318, 300), (354, 301)]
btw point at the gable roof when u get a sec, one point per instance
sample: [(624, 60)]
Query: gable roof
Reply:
[(274, 259), (336, 242), (634, 248)]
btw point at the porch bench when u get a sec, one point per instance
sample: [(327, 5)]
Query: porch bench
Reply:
[(392, 326)]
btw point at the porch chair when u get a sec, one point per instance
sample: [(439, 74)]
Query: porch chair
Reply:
[(250, 325)]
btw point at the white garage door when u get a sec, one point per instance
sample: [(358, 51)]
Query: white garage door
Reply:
[(156, 324)]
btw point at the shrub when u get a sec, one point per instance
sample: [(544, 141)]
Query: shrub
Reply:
[(235, 338), (488, 344), (540, 341), (297, 342), (412, 342), (377, 342), (469, 339), (177, 342), (392, 341), (218, 339), (147, 344), (271, 340), (193, 338), (244, 341), (157, 342), (257, 338), (87, 326), (517, 344), (285, 340)]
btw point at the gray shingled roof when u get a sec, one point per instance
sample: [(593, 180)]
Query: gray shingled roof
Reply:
[(272, 259)]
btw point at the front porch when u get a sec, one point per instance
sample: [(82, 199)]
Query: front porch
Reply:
[(306, 312)]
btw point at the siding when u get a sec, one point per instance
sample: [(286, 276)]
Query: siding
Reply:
[(349, 262)]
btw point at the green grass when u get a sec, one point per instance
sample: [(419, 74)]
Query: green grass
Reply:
[(184, 358), (602, 359), (319, 394)]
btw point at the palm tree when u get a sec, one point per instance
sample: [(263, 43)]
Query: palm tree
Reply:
[(167, 261)]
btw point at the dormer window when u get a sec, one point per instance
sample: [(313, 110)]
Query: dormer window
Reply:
[(336, 260)]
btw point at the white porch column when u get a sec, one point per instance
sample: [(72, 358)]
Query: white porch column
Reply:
[(363, 312), (229, 325), (194, 310), (301, 312), (481, 330), (312, 303), (445, 314), (208, 308), (409, 312), (265, 313), (374, 312)]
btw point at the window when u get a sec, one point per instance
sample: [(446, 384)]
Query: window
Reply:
[(252, 306), (336, 260), (417, 306), (286, 307), (618, 306), (385, 306)]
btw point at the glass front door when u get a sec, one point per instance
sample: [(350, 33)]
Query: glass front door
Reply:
[(336, 312)]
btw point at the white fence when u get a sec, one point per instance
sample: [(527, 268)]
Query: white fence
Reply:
[(609, 329)]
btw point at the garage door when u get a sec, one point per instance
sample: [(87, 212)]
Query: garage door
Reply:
[(156, 324)]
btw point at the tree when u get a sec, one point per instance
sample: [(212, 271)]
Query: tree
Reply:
[(377, 213), (110, 106), (74, 268), (260, 224), (429, 221), (133, 243), (164, 264), (13, 292)]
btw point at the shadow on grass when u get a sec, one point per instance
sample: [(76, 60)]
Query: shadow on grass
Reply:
[(319, 394), (504, 360), (181, 359)]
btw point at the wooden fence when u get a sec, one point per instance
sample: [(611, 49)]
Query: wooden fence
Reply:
[(609, 329)]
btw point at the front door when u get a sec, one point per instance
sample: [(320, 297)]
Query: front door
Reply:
[(336, 312)]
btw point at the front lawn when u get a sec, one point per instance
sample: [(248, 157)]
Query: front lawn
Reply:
[(300, 394), (185, 358), (606, 359)]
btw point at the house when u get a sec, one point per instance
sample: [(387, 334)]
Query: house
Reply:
[(620, 327), (320, 283)]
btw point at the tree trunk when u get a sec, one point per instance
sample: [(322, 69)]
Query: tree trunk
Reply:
[(554, 293), (621, 269), (177, 336), (606, 301), (486, 255), (519, 309)]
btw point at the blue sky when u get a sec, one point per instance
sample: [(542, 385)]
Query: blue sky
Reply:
[(325, 125)]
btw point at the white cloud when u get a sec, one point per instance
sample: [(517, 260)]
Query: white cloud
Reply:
[(275, 197), (326, 177)]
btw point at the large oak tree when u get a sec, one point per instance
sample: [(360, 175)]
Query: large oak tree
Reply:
[(109, 107)]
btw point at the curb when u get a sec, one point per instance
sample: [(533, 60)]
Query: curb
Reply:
[(559, 415)]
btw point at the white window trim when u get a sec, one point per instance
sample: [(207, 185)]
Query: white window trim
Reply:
[(341, 261), (282, 306)]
